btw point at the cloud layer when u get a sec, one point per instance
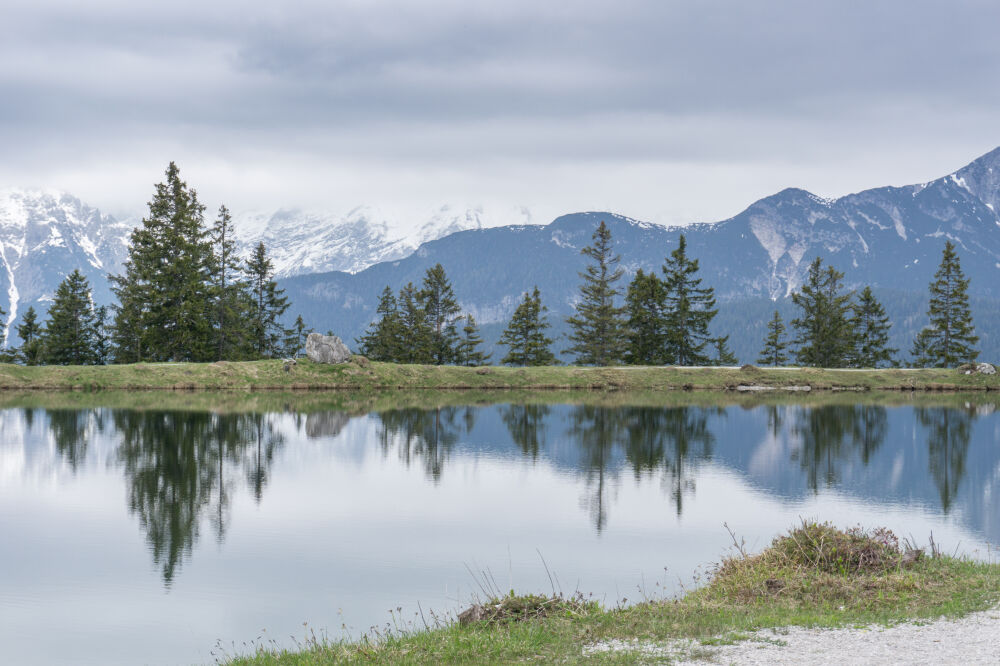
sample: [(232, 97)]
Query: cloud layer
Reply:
[(663, 110)]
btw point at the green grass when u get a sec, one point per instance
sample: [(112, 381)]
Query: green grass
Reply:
[(361, 375), (815, 577)]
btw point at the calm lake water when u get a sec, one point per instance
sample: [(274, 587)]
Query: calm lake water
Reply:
[(152, 536)]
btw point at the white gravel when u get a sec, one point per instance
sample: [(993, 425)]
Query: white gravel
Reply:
[(972, 640)]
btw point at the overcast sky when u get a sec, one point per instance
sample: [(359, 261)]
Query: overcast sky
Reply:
[(666, 111)]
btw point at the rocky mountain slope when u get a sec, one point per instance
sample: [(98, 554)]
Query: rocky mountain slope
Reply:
[(43, 237)]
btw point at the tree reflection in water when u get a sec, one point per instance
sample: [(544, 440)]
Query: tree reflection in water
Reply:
[(526, 425), (175, 462), (424, 435), (948, 433), (182, 467), (830, 435)]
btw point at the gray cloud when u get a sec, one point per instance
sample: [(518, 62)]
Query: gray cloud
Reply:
[(843, 94)]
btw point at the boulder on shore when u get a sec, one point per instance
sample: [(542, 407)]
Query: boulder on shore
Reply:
[(326, 349), (985, 369)]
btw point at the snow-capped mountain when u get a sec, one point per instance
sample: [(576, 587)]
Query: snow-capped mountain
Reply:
[(44, 235), (301, 242)]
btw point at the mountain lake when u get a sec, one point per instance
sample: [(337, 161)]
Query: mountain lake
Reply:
[(185, 529)]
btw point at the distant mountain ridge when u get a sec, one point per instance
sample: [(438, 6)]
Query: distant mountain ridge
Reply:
[(890, 238)]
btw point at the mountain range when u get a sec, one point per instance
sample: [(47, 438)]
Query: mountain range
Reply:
[(334, 268)]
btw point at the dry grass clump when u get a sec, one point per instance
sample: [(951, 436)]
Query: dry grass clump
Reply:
[(817, 563), (823, 547), (521, 608)]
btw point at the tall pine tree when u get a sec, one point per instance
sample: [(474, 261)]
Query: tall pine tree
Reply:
[(383, 340), (870, 326), (70, 330), (30, 332), (644, 304), (442, 311), (825, 336), (164, 309), (597, 328), (229, 295), (525, 336), (773, 352), (690, 309), (950, 339), (267, 304), (416, 331), (468, 351)]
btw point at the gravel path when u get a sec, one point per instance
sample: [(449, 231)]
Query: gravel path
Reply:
[(974, 639)]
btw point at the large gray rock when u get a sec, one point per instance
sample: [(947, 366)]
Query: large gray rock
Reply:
[(985, 369), (326, 349)]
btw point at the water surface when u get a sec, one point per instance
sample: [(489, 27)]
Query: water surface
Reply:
[(148, 535)]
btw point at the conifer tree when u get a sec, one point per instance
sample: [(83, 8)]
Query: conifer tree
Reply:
[(102, 336), (417, 333), (950, 339), (468, 351), (229, 297), (70, 331), (870, 326), (723, 354), (597, 328), (690, 309), (383, 341), (30, 332), (525, 334), (773, 352), (825, 336), (295, 338), (267, 304), (921, 350), (441, 310), (644, 304), (164, 296)]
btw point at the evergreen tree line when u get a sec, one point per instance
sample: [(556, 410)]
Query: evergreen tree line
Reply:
[(665, 320), (422, 326), (837, 328), (184, 295)]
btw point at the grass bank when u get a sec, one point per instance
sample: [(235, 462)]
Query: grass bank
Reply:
[(362, 375), (815, 576)]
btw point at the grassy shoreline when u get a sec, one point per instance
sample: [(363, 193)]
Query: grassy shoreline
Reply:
[(815, 576), (360, 375)]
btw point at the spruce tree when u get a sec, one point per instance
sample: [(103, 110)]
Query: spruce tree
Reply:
[(441, 310), (723, 354), (525, 334), (644, 303), (870, 326), (30, 332), (825, 336), (415, 331), (267, 304), (921, 350), (468, 351), (950, 339), (70, 330), (295, 338), (773, 352), (690, 309), (383, 341), (164, 309), (102, 336), (229, 296), (597, 328)]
